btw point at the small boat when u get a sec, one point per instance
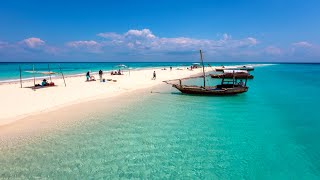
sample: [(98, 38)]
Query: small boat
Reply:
[(227, 87), (218, 90), (246, 68), (239, 74)]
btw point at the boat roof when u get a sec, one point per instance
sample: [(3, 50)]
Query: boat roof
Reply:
[(235, 71), (41, 72)]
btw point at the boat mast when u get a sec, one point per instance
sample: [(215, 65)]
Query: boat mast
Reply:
[(204, 74)]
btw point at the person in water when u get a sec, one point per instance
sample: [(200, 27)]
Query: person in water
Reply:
[(241, 83), (100, 74), (88, 76), (154, 75)]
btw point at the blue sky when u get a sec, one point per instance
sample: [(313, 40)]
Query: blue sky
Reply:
[(163, 30)]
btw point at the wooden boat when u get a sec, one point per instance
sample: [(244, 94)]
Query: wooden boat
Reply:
[(219, 90), (238, 74), (227, 87)]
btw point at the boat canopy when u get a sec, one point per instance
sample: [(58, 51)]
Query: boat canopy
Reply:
[(41, 72), (235, 71)]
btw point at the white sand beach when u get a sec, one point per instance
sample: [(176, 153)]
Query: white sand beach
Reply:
[(19, 103)]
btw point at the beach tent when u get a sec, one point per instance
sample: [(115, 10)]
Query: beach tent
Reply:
[(122, 67), (195, 65), (49, 72)]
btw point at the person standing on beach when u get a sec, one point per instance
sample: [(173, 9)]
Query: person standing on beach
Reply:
[(154, 75), (100, 74), (88, 75)]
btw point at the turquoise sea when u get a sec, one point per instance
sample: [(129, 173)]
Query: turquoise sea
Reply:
[(10, 71), (270, 132)]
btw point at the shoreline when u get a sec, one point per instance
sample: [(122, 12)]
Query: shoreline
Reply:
[(59, 119), (58, 75), (22, 103)]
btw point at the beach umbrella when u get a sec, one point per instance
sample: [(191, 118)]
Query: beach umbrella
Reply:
[(121, 66)]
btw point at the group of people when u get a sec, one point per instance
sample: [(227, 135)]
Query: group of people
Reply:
[(92, 78), (116, 73), (45, 83), (89, 77)]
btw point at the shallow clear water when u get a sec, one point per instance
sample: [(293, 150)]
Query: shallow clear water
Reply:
[(270, 132)]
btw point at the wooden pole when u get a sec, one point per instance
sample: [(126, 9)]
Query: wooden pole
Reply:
[(233, 78), (204, 74), (65, 85), (34, 77), (211, 67), (49, 73), (20, 76)]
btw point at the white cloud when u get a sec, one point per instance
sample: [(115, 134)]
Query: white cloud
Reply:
[(145, 40), (305, 49), (33, 42), (252, 41), (302, 44), (226, 36), (110, 35), (144, 33), (272, 50), (88, 46), (76, 44), (3, 44)]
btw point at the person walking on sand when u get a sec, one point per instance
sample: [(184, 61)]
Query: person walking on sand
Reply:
[(154, 75), (100, 74)]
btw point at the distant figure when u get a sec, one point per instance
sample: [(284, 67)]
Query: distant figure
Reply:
[(154, 75), (44, 82), (88, 75), (241, 83), (119, 72), (100, 74), (170, 68)]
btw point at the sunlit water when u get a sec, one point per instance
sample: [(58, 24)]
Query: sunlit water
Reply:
[(10, 71), (270, 132)]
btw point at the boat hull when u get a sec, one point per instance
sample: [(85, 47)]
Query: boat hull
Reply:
[(210, 91)]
